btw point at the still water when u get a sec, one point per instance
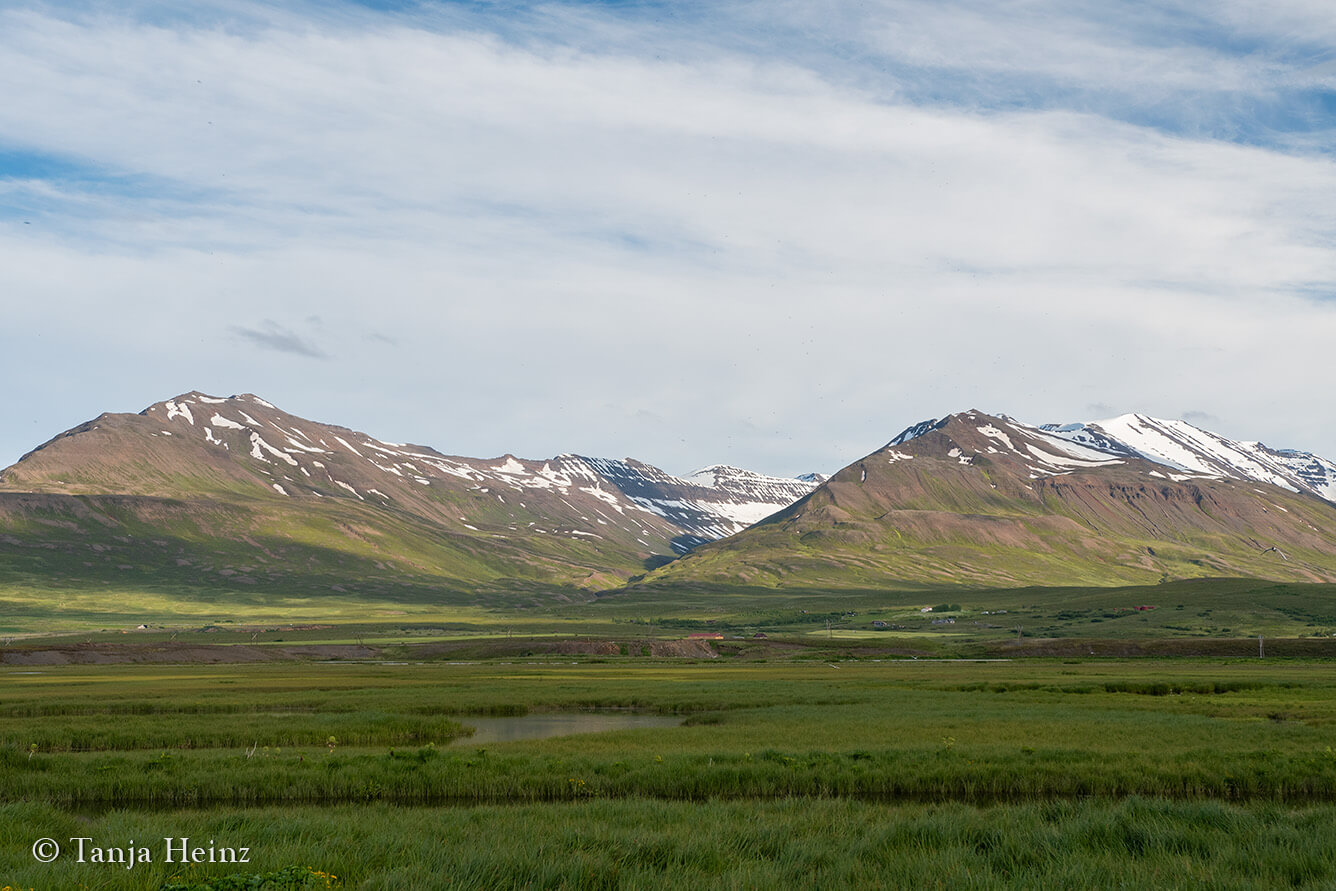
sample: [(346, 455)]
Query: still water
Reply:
[(509, 729)]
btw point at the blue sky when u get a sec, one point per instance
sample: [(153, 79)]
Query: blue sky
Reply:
[(770, 234)]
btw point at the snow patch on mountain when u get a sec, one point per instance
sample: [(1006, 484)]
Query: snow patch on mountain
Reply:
[(914, 431), (1042, 451), (259, 446), (219, 421), (1316, 474), (1184, 447), (1185, 450), (990, 431), (710, 503), (179, 410), (1188, 452)]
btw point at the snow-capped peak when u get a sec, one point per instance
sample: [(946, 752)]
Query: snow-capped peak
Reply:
[(1184, 449), (710, 477), (1182, 446), (973, 435), (331, 462)]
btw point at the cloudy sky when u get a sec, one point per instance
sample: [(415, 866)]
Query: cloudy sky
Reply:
[(765, 233)]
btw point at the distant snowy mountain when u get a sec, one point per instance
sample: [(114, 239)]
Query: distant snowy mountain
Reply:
[(1041, 451), (711, 503), (201, 491), (197, 445), (1196, 452), (1184, 450), (985, 500)]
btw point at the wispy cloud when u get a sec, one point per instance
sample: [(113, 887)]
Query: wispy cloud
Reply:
[(1231, 70), (747, 217), (272, 336)]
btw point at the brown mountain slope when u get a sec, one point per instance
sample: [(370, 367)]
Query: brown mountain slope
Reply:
[(980, 500), (233, 483)]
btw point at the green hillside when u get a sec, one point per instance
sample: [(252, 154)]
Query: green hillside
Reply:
[(943, 510)]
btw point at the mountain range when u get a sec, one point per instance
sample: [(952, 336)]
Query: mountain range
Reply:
[(239, 491), (977, 499), (201, 493)]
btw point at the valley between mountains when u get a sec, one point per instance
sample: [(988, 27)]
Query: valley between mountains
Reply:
[(202, 504)]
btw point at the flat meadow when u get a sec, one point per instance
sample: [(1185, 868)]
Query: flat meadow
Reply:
[(832, 771)]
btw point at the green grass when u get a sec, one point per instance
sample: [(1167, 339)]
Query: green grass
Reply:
[(801, 759), (242, 564), (89, 561), (655, 844), (1193, 609), (856, 773), (889, 731), (935, 522)]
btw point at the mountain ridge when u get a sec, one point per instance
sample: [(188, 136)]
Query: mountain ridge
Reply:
[(569, 520), (1179, 445), (198, 492), (977, 499)]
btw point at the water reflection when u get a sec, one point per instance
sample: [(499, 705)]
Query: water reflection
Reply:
[(542, 726)]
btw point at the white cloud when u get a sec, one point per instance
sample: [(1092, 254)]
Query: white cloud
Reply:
[(770, 259)]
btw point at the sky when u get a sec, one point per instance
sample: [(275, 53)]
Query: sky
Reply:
[(770, 234)]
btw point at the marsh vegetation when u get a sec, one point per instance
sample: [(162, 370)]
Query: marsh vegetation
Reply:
[(1071, 772)]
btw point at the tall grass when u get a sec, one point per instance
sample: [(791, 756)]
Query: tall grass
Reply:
[(1069, 774), (96, 733), (1141, 843), (879, 731), (431, 776)]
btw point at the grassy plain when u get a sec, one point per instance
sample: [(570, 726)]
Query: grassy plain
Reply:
[(831, 771), (1192, 608), (862, 743), (1196, 609)]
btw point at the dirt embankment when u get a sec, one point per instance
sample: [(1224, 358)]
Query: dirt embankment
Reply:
[(195, 654), (1234, 648), (212, 654), (508, 648)]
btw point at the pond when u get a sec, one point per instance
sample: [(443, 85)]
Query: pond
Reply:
[(542, 726)]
